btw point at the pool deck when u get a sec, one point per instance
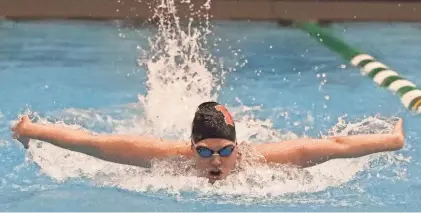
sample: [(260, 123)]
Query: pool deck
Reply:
[(286, 10)]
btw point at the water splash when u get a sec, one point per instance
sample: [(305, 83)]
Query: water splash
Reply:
[(181, 71)]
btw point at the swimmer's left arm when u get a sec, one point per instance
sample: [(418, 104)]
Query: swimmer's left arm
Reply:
[(310, 152), (124, 149)]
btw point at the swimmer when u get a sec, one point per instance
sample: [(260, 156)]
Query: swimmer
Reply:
[(213, 146)]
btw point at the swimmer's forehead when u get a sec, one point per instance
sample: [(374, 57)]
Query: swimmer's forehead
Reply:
[(215, 143)]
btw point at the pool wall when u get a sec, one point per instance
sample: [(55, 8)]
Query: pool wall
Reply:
[(304, 10)]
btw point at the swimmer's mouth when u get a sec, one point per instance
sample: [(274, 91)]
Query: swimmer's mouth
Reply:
[(215, 173)]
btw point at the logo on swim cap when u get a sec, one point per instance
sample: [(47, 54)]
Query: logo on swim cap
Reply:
[(227, 115)]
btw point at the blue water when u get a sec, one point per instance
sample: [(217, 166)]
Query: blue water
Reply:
[(47, 67)]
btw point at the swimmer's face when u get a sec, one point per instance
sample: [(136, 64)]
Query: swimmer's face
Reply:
[(218, 165)]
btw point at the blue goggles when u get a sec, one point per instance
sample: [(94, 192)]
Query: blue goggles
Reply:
[(205, 152)]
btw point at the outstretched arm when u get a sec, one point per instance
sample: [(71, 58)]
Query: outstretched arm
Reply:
[(310, 152), (124, 149)]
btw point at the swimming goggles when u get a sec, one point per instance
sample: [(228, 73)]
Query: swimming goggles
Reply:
[(205, 152)]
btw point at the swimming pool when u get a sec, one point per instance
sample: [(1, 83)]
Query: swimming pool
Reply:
[(279, 82)]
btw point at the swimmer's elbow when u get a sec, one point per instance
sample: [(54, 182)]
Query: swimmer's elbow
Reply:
[(121, 158), (303, 157), (121, 152)]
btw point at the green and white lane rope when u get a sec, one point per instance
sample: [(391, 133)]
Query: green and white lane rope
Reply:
[(381, 74)]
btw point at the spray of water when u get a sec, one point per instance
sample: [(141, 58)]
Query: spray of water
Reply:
[(181, 73)]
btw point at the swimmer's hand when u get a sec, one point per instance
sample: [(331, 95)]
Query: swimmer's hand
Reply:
[(399, 131), (19, 129), (309, 152)]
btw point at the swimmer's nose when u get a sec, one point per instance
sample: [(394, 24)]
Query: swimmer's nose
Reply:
[(216, 161)]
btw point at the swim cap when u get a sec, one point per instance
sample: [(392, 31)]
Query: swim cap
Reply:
[(212, 120)]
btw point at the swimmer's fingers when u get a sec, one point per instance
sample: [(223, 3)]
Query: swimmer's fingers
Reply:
[(14, 128), (18, 126), (15, 125), (25, 119)]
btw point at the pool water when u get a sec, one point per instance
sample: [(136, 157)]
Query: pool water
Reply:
[(279, 82)]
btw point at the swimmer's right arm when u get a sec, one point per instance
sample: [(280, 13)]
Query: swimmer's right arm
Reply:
[(309, 152), (123, 149)]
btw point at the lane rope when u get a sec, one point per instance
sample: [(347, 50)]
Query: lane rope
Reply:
[(380, 73)]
